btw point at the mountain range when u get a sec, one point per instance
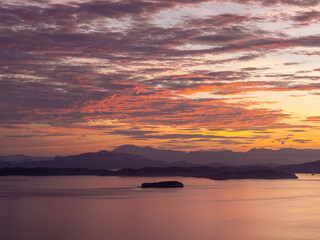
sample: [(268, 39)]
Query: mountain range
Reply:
[(130, 156), (98, 160), (226, 157), (22, 158)]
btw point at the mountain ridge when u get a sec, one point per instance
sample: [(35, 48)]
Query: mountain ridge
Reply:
[(96, 160), (131, 156), (260, 156)]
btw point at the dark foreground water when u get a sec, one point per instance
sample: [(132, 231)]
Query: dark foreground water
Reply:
[(114, 208)]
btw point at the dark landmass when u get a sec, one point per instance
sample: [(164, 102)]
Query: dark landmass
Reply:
[(40, 171), (129, 156), (5, 164), (100, 163), (153, 153), (262, 157), (131, 172), (223, 173), (98, 160), (182, 164), (199, 172), (17, 158), (310, 167), (165, 184), (168, 171), (253, 174)]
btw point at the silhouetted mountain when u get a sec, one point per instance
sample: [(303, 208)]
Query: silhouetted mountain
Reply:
[(21, 158), (136, 158), (226, 157), (4, 164), (170, 171), (284, 155), (99, 160), (184, 164), (153, 153), (309, 167), (42, 171)]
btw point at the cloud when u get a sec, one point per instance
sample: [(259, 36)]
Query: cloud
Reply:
[(303, 3), (130, 64), (217, 21), (20, 136), (302, 141), (315, 119), (297, 130), (152, 135), (306, 18)]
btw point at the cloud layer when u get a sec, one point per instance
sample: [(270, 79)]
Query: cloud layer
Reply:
[(147, 70)]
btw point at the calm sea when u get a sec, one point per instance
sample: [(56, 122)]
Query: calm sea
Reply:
[(114, 208)]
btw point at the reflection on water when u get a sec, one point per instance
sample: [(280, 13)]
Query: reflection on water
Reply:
[(115, 208)]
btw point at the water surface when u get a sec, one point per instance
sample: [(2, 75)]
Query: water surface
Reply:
[(114, 208)]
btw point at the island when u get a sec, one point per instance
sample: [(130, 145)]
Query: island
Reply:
[(253, 174), (165, 184), (222, 173)]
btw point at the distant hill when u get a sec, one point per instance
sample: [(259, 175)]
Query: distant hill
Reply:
[(226, 157), (4, 164), (309, 167), (153, 153), (130, 156), (21, 158), (98, 160)]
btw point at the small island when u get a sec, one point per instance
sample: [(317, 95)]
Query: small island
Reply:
[(165, 184)]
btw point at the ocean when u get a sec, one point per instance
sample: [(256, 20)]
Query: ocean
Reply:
[(115, 208)]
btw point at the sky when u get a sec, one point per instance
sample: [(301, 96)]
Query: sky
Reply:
[(78, 76)]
